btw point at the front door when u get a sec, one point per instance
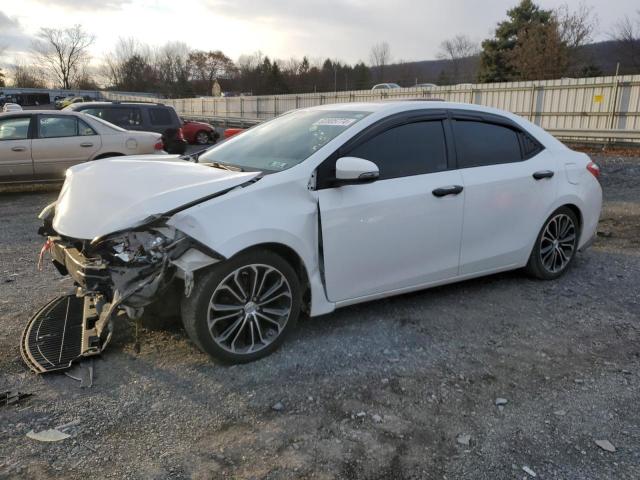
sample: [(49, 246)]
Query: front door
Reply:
[(400, 231)]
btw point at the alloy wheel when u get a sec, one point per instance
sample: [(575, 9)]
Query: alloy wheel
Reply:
[(558, 243), (249, 309)]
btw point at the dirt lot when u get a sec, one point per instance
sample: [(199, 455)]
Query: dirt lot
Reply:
[(385, 390)]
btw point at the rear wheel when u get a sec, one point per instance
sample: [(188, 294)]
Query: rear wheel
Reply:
[(243, 308), (555, 246), (202, 137)]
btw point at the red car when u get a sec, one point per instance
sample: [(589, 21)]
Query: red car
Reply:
[(199, 133)]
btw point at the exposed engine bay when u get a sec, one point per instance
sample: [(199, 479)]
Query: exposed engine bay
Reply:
[(121, 272)]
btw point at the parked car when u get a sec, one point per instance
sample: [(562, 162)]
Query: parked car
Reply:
[(65, 102), (230, 132), (386, 86), (11, 107), (39, 145), (148, 117), (199, 133), (318, 209)]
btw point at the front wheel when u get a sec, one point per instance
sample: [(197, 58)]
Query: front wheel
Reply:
[(556, 245), (243, 308)]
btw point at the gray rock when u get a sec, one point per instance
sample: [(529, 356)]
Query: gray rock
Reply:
[(529, 472), (560, 413), (501, 401), (278, 407), (376, 418), (606, 445), (463, 439)]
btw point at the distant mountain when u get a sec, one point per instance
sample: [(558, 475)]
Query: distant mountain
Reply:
[(590, 60)]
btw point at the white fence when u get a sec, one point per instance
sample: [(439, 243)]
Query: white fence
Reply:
[(601, 108)]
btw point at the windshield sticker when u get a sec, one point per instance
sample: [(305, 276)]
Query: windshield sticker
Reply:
[(335, 122)]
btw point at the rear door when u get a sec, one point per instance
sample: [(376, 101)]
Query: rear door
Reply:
[(394, 233), (15, 148), (505, 204), (162, 118), (60, 142)]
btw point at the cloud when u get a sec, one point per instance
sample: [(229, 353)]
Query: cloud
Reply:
[(87, 4), (12, 36)]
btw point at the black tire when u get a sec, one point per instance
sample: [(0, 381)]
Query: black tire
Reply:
[(195, 309), (538, 265), (199, 137)]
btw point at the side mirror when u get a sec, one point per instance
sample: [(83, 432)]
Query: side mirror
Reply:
[(355, 170)]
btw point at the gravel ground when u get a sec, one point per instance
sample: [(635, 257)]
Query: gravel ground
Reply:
[(395, 389)]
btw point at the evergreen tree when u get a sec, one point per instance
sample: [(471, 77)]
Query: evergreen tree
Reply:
[(495, 62)]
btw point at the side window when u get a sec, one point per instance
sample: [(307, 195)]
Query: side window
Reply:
[(84, 129), (125, 117), (479, 144), (160, 116), (530, 147), (96, 112), (56, 127), (14, 128), (411, 149)]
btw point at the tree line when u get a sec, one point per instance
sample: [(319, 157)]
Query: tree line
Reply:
[(531, 43)]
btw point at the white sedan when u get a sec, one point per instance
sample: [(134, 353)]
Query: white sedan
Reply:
[(39, 145), (318, 209), (11, 107)]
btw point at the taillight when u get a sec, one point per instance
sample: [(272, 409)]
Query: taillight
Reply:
[(159, 145), (594, 169)]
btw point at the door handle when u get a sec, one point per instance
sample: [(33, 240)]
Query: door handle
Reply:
[(450, 190), (543, 174), (86, 144), (18, 149)]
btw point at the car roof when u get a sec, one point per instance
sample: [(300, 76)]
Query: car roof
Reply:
[(397, 106), (107, 103)]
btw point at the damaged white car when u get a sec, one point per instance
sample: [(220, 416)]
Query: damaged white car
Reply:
[(314, 210)]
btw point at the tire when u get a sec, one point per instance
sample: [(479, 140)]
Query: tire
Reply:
[(265, 323), (202, 137), (552, 254)]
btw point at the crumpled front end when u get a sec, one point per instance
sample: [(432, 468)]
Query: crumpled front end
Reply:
[(124, 271)]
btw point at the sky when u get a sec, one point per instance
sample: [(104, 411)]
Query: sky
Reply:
[(337, 29)]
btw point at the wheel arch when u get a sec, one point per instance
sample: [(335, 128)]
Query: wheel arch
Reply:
[(295, 260), (108, 155)]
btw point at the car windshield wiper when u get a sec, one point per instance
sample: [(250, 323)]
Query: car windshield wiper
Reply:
[(224, 166)]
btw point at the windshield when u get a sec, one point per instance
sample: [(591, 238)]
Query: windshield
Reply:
[(285, 141)]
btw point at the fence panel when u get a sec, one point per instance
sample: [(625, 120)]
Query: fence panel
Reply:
[(568, 105)]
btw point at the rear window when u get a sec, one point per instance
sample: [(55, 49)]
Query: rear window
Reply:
[(160, 116)]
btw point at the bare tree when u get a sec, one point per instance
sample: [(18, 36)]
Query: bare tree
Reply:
[(627, 33), (63, 52), (380, 57), (117, 63), (2, 76), (27, 76), (206, 67), (576, 27), (458, 50)]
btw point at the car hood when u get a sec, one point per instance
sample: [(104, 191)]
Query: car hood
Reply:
[(105, 196)]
